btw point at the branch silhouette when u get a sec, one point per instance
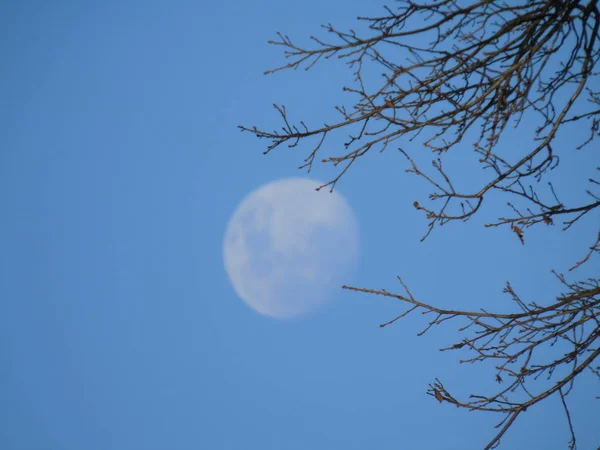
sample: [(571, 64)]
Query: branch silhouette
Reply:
[(455, 73)]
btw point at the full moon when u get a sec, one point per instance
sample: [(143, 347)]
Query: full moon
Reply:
[(287, 248)]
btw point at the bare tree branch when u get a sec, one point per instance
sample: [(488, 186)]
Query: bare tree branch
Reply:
[(456, 73)]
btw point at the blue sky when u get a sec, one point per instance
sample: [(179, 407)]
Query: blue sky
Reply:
[(120, 165)]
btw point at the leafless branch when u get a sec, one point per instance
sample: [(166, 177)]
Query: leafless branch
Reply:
[(456, 73), (516, 343)]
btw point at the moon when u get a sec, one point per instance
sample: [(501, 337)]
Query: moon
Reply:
[(288, 248)]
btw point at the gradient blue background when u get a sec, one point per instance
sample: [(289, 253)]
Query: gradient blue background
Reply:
[(120, 165)]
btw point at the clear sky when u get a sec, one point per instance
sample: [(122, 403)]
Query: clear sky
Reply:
[(120, 165)]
